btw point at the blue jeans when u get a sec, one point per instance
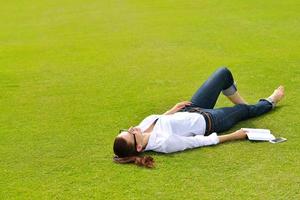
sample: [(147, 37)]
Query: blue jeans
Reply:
[(224, 118)]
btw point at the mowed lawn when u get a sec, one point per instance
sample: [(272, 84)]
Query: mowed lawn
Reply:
[(72, 73)]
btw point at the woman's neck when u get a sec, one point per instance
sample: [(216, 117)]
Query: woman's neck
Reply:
[(147, 133), (146, 136)]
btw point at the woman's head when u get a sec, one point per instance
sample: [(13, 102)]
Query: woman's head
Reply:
[(128, 142), (124, 147), (127, 146)]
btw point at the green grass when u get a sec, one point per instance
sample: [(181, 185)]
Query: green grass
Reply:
[(73, 72)]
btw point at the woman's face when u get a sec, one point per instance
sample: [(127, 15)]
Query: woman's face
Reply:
[(133, 136)]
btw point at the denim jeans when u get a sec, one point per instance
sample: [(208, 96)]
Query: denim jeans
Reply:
[(224, 118)]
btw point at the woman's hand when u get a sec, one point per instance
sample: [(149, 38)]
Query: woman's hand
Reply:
[(240, 134), (180, 105), (177, 107)]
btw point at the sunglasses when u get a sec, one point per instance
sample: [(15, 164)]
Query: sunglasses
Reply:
[(122, 130)]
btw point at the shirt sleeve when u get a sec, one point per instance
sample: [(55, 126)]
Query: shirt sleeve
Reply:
[(179, 143)]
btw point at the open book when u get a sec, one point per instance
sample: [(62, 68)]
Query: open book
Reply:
[(259, 134)]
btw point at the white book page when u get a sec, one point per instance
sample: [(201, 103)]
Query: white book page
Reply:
[(259, 134)]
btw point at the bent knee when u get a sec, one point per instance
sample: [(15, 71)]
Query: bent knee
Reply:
[(224, 71), (226, 74)]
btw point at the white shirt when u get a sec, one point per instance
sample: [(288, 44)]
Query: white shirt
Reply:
[(177, 132)]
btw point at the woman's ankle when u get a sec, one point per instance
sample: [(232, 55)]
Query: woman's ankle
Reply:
[(236, 98)]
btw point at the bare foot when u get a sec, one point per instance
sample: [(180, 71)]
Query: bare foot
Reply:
[(277, 95)]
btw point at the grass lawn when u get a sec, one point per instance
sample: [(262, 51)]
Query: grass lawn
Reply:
[(73, 72)]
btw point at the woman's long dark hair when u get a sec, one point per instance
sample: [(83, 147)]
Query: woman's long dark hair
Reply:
[(126, 153)]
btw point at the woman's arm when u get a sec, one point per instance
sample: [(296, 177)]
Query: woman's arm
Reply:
[(177, 107), (177, 143), (180, 143), (237, 135)]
